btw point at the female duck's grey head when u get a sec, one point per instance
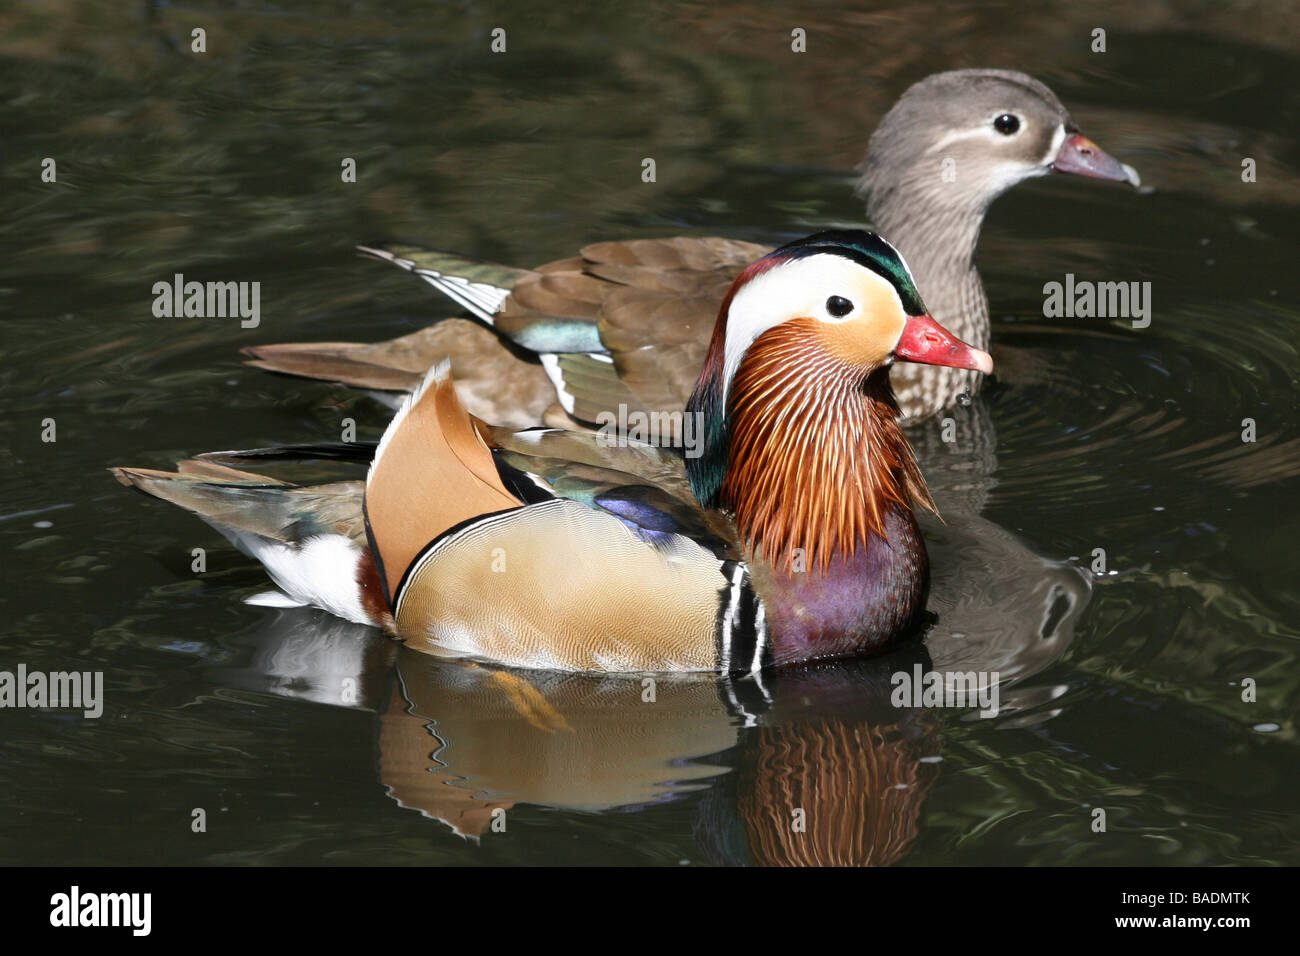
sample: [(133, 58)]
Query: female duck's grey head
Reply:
[(962, 138)]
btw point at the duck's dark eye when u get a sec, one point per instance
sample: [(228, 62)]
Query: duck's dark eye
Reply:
[(1006, 124), (838, 306)]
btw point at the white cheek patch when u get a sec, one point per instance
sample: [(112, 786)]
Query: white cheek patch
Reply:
[(792, 290)]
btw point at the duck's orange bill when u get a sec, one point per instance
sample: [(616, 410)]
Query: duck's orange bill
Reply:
[(926, 342)]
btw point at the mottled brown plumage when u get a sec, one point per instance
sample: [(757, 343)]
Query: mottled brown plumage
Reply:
[(495, 383)]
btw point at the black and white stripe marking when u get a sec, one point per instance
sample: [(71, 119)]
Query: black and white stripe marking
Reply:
[(742, 640), (482, 299)]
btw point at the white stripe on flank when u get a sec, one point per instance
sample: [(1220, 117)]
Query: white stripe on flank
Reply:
[(729, 620)]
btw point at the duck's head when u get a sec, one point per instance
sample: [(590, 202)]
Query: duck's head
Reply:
[(966, 136), (795, 389)]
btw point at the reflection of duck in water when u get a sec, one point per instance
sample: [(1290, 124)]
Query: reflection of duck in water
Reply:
[(832, 775), (805, 766), (458, 741)]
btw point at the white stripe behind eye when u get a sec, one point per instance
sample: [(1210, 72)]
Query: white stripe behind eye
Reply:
[(958, 135)]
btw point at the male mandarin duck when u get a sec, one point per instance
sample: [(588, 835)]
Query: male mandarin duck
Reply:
[(628, 323), (784, 535)]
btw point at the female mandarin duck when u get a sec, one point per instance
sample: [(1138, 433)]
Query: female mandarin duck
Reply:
[(629, 322), (786, 535)]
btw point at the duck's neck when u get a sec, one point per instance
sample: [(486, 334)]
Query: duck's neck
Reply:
[(936, 227), (820, 481)]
